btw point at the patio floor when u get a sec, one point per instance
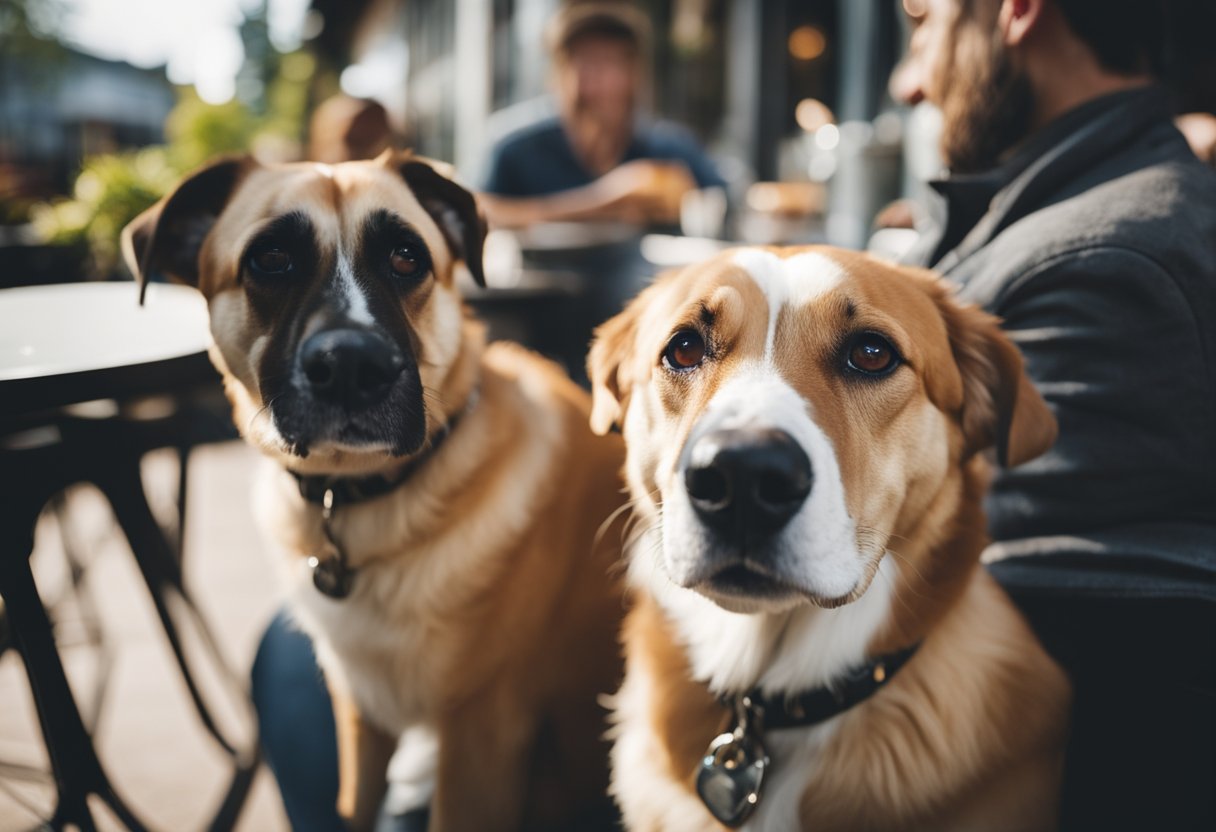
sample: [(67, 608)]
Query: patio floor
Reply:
[(149, 739)]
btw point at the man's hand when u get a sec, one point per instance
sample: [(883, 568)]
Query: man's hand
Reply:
[(645, 191)]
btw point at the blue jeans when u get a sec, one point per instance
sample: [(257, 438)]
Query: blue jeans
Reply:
[(296, 722)]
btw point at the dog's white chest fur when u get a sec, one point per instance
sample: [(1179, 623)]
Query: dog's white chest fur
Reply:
[(647, 793), (362, 643), (372, 648), (790, 652)]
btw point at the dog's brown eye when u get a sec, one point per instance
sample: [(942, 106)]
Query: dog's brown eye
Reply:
[(685, 351), (404, 262), (270, 261), (872, 354)]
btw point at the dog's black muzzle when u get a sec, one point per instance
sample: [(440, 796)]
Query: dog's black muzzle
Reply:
[(354, 387)]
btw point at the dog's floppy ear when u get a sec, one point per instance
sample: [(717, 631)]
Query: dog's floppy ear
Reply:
[(610, 364), (453, 208), (1000, 405), (167, 237)]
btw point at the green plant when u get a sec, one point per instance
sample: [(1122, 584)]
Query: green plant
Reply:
[(111, 190), (198, 131)]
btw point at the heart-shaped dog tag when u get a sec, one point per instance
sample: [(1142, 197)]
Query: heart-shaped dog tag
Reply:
[(731, 776)]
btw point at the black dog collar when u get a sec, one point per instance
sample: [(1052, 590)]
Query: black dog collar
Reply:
[(332, 575), (821, 704), (732, 771)]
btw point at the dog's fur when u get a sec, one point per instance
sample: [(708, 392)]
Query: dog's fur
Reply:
[(484, 614), (883, 554)]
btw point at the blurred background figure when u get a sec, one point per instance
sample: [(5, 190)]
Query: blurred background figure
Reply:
[(344, 128), (599, 158)]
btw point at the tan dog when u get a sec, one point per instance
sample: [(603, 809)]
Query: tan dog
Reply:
[(440, 500), (802, 429)]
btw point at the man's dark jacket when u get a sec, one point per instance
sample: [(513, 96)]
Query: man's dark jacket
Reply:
[(1096, 243)]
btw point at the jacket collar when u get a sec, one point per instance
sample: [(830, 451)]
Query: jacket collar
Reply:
[(980, 206)]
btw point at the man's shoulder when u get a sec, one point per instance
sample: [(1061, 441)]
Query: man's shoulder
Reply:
[(1164, 212), (1177, 195), (543, 132), (532, 159)]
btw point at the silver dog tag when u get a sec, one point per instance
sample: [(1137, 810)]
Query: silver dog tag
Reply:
[(331, 577), (732, 773)]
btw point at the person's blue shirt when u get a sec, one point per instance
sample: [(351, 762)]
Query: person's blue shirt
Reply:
[(538, 160)]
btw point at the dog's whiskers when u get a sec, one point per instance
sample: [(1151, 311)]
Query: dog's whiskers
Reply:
[(264, 409), (913, 587), (610, 519), (432, 395), (634, 528), (892, 586)]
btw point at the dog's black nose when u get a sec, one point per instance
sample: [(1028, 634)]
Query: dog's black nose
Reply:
[(350, 367), (747, 482)]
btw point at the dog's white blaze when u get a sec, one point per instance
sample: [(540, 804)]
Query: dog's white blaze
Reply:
[(787, 646), (324, 169), (356, 301), (790, 281)]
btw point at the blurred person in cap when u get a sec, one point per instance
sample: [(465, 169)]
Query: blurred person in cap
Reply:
[(1075, 211), (345, 129), (597, 159)]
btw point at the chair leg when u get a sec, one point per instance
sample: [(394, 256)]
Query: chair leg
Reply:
[(123, 487), (158, 562), (183, 459), (77, 771)]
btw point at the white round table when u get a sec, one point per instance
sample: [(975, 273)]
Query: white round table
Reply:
[(76, 342)]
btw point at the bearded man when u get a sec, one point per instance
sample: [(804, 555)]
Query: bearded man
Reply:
[(1075, 211)]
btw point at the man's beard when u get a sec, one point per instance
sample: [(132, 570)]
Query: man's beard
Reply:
[(986, 110)]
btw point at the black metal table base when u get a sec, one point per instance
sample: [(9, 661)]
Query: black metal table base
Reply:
[(105, 453)]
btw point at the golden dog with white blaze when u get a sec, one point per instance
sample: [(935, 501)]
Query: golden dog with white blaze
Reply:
[(473, 609), (803, 429)]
